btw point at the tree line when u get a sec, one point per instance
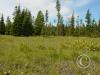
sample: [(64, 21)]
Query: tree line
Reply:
[(24, 24)]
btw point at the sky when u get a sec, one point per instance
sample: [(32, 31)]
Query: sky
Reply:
[(67, 7)]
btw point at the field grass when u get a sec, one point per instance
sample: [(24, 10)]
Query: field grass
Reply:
[(50, 55)]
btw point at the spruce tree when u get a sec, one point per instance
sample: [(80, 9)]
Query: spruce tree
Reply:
[(72, 24), (22, 17), (2, 26), (46, 21), (27, 28), (58, 7), (39, 23), (17, 21), (88, 23)]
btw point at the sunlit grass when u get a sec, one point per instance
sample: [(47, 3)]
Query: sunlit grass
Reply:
[(46, 55)]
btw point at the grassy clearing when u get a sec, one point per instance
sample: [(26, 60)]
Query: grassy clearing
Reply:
[(47, 55)]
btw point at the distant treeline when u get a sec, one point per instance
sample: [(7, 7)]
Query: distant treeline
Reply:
[(24, 24)]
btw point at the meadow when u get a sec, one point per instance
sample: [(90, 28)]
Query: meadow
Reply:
[(50, 55)]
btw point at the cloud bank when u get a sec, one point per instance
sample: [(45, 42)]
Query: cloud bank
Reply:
[(34, 6)]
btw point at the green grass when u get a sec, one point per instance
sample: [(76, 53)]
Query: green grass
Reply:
[(48, 55)]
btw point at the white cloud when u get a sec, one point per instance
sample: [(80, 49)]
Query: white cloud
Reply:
[(34, 6), (50, 5)]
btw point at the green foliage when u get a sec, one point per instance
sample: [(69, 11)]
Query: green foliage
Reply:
[(60, 27), (88, 23), (39, 23), (46, 22), (17, 21), (27, 28), (58, 7), (72, 23), (2, 26), (22, 25)]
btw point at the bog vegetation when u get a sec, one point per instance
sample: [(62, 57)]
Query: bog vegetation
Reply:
[(47, 55)]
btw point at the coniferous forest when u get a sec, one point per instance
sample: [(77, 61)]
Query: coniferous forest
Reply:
[(25, 24)]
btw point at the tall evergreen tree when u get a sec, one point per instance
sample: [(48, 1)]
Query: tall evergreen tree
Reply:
[(22, 25), (27, 28), (8, 26), (22, 17), (72, 24), (88, 20), (58, 7), (39, 23), (46, 21), (17, 21), (2, 26)]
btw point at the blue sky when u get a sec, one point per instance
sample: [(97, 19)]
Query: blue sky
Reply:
[(79, 6)]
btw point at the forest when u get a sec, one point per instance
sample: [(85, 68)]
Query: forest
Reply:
[(25, 24)]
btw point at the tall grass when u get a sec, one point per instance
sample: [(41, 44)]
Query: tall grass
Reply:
[(46, 55)]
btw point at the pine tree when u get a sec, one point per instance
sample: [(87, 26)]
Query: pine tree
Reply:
[(8, 26), (22, 17), (39, 23), (72, 24), (22, 25), (27, 28), (46, 21), (17, 21), (58, 7), (88, 23), (2, 26)]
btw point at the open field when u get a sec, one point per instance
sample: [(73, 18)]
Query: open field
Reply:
[(48, 55)]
